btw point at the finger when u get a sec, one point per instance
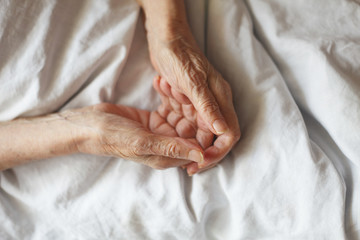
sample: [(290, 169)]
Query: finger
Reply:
[(218, 150), (163, 111), (173, 147), (156, 85), (201, 123), (161, 162), (193, 140), (164, 91), (164, 108), (173, 118), (205, 138), (176, 106), (189, 112), (185, 129), (196, 170), (226, 141), (222, 92), (206, 105), (158, 125), (193, 168), (165, 88), (181, 98)]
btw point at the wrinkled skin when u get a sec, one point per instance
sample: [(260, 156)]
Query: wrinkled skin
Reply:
[(139, 135), (176, 113), (184, 117), (187, 78), (191, 77), (190, 87)]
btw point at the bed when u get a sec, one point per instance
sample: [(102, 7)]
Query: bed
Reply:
[(294, 69)]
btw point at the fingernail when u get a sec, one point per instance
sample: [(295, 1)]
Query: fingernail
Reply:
[(190, 173), (196, 156), (220, 126)]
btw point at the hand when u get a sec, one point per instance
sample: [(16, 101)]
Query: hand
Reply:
[(187, 122), (133, 134), (190, 78), (175, 55), (173, 110)]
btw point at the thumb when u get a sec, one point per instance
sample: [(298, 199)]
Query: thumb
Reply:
[(205, 104), (173, 147)]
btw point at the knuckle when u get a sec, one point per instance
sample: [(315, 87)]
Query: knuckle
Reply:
[(197, 86), (208, 106), (220, 85), (172, 150), (234, 137), (139, 145), (159, 147), (197, 75), (196, 72)]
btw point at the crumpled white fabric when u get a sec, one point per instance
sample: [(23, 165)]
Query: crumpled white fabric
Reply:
[(293, 175)]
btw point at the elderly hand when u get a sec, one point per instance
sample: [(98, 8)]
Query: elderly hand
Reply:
[(189, 77), (133, 134), (103, 129), (173, 110), (192, 78)]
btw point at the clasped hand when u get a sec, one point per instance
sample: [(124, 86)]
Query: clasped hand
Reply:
[(196, 124), (194, 127)]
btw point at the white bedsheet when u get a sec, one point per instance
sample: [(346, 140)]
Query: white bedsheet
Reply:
[(293, 175)]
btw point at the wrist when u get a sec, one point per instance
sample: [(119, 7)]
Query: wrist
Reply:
[(58, 135), (26, 139), (78, 133), (164, 19)]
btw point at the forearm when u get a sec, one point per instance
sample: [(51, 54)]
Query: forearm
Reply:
[(163, 18), (27, 139)]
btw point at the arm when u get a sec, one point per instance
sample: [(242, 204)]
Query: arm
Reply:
[(103, 129), (164, 17), (188, 76), (27, 139)]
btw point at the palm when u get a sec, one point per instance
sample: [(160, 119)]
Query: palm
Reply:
[(172, 119), (134, 134), (184, 118), (171, 123)]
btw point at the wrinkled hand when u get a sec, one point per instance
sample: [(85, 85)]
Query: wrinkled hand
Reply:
[(133, 134), (191, 79), (173, 110)]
